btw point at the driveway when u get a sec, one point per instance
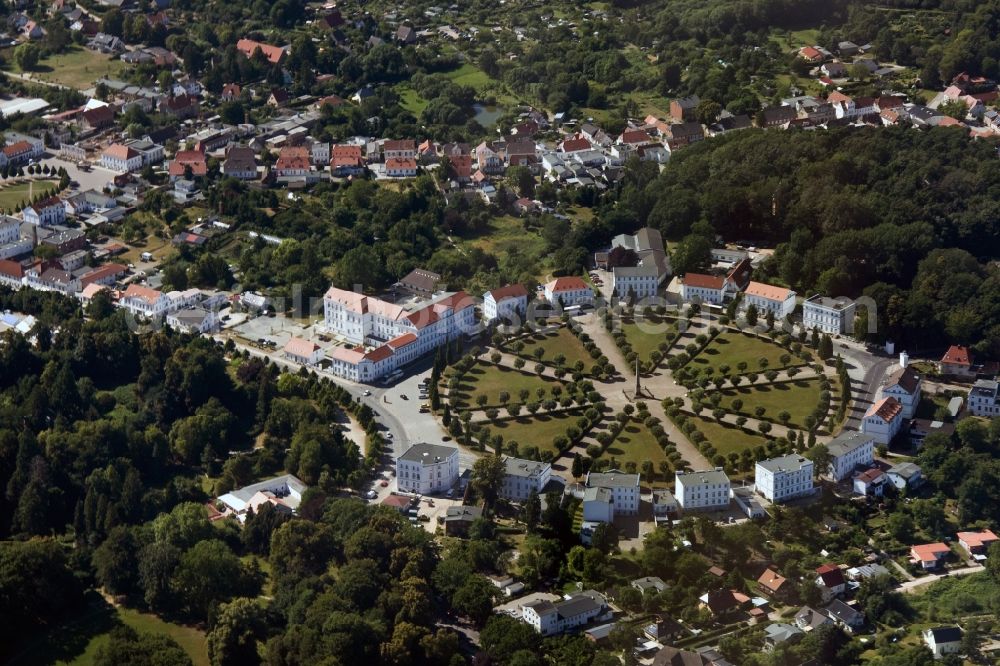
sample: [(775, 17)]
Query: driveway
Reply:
[(915, 586)]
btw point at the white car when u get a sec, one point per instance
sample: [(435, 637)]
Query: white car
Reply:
[(371, 494), (367, 393)]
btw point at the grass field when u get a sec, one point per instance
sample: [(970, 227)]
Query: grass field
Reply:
[(536, 430), (732, 348), (76, 642), (646, 333), (411, 100), (798, 398), (489, 380), (727, 439), (78, 68), (469, 75), (554, 343), (635, 444), (507, 236), (13, 195)]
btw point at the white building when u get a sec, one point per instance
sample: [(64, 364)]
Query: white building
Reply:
[(282, 492), (713, 289), (548, 618), (303, 351), (45, 213), (848, 450), (644, 279), (427, 468), (904, 385), (830, 315), (509, 303), (140, 300), (123, 159), (766, 297), (784, 478), (598, 506), (705, 490), (569, 291), (320, 153), (905, 475), (523, 477), (636, 281), (943, 640), (883, 420), (395, 335), (10, 230), (193, 319), (624, 489), (983, 398)]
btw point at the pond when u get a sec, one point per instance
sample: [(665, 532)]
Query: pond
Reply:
[(486, 115)]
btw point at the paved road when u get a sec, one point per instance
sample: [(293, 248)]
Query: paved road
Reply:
[(914, 586)]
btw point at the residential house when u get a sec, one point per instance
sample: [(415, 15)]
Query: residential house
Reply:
[(405, 35), (52, 279), (664, 506), (870, 483), (683, 134), (549, 619), (231, 92), (284, 493), (179, 106), (849, 450), (721, 603), (714, 289), (509, 303), (809, 619), (704, 490), (830, 315), (240, 163), (118, 157), (776, 116), (188, 164), (106, 43), (427, 468), (402, 148), (651, 584), (293, 163), (976, 543), (20, 152), (273, 54), (957, 362), (98, 118), (346, 160), (929, 555), (774, 585), (306, 352), (943, 641), (844, 615), (623, 488), (569, 291), (598, 507), (400, 503), (984, 398), (905, 475), (904, 385), (664, 629), (918, 430), (458, 520), (684, 108), (140, 300), (784, 478), (319, 151), (46, 212), (401, 167), (830, 580), (729, 123), (811, 54), (883, 420), (780, 633), (193, 319), (33, 31), (489, 159), (524, 477), (768, 298)]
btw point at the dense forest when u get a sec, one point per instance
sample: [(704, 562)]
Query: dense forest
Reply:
[(904, 216)]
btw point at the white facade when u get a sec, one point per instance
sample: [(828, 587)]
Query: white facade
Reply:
[(833, 316), (598, 506), (766, 297), (943, 640), (784, 478), (904, 384), (548, 618), (624, 489), (427, 468), (145, 302), (706, 288), (320, 153), (849, 450), (523, 477), (883, 420), (983, 398), (642, 282), (509, 303), (570, 291), (704, 490), (10, 230), (119, 158), (45, 213)]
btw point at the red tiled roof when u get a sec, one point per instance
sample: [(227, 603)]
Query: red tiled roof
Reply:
[(977, 539), (886, 409), (768, 291), (11, 268), (956, 355), (831, 575), (810, 53), (510, 291), (293, 157), (702, 281), (400, 163), (402, 340), (574, 145), (571, 283), (17, 148), (300, 347), (143, 293), (379, 354), (102, 272), (929, 552), (247, 47), (399, 144), (120, 152)]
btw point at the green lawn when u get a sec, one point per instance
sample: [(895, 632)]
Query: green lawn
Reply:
[(507, 237), (731, 348), (489, 380), (411, 100), (799, 398), (21, 193), (76, 642), (646, 333), (635, 444), (727, 438), (77, 68), (469, 75), (554, 343), (536, 430)]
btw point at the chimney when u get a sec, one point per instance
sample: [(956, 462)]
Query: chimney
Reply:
[(904, 359)]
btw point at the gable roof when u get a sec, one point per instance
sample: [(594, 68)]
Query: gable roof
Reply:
[(703, 281), (886, 409), (977, 539), (930, 552), (831, 575), (771, 580), (570, 283), (906, 378), (945, 634), (957, 355), (508, 291), (300, 347), (248, 47), (768, 291)]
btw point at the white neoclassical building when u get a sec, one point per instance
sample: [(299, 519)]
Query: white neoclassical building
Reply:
[(427, 468), (704, 490), (830, 315), (784, 478)]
